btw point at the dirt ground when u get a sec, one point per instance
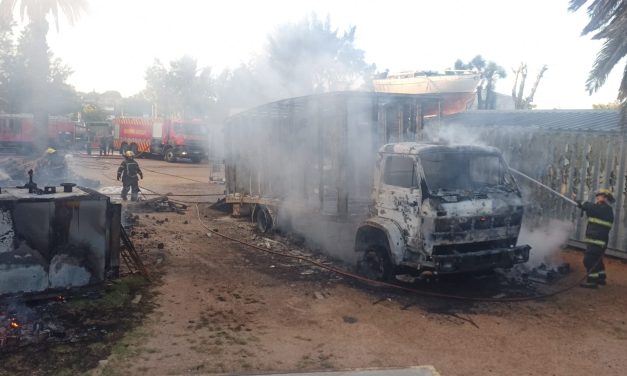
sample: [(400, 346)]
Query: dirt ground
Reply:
[(225, 308)]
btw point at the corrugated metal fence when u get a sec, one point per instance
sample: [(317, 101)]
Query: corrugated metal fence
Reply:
[(570, 151)]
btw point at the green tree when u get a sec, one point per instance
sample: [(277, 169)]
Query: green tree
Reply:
[(38, 63), (607, 106), (19, 83), (311, 56), (490, 73), (181, 90), (299, 58), (608, 22)]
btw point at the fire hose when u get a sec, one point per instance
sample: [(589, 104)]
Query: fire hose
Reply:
[(376, 283), (570, 201)]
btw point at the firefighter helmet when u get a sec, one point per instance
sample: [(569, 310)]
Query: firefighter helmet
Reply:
[(129, 154), (606, 193), (51, 151)]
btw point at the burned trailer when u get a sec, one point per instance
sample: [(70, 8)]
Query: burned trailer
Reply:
[(56, 238), (320, 166)]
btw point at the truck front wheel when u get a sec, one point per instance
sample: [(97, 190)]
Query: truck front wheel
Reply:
[(375, 264), (169, 156)]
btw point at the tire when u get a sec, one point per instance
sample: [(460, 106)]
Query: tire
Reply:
[(169, 156), (263, 219), (375, 264)]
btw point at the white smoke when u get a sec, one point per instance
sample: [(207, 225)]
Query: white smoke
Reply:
[(453, 134), (547, 241)]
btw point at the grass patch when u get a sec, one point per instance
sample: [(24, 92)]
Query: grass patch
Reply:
[(118, 295)]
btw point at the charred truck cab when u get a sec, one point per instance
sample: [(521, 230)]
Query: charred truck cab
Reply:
[(439, 208)]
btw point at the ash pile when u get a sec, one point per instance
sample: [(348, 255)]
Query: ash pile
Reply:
[(22, 326), (158, 204)]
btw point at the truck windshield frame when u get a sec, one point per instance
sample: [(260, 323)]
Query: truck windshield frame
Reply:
[(465, 171), (189, 129)]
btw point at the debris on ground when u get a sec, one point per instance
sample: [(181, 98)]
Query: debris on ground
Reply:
[(547, 274), (158, 204)]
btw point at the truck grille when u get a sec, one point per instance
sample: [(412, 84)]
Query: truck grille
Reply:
[(476, 223)]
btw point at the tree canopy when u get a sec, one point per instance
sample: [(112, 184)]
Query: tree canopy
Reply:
[(490, 73), (301, 58), (608, 22), (16, 78), (182, 89)]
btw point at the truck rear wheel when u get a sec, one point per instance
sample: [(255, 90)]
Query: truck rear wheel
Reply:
[(375, 264), (263, 219)]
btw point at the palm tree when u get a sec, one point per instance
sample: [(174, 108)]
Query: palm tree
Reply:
[(37, 12), (608, 20)]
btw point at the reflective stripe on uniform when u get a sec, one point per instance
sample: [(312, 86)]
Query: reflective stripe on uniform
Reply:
[(600, 243), (601, 222)]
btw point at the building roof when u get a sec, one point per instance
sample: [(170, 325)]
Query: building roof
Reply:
[(415, 148), (553, 120)]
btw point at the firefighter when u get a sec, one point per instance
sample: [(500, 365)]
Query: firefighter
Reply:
[(600, 219), (130, 173), (104, 144), (52, 165)]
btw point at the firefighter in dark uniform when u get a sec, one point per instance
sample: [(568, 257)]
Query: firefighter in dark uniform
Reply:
[(130, 173), (600, 219)]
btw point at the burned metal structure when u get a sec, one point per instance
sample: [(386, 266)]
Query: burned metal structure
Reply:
[(346, 171), (571, 151), (313, 148), (56, 238)]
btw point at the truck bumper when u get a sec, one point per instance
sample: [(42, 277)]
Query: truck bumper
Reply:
[(481, 260), (189, 153)]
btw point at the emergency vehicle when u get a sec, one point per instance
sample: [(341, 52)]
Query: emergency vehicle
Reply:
[(17, 132), (170, 139)]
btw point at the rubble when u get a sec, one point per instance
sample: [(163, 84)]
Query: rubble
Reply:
[(546, 274), (159, 204)]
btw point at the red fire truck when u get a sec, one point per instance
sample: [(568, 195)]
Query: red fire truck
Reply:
[(171, 139), (17, 132)]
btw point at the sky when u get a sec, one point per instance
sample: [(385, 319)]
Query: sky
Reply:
[(111, 46)]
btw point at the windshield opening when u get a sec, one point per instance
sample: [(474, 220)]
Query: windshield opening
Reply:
[(466, 171), (190, 129)]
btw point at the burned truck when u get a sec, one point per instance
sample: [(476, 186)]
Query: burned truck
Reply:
[(352, 174)]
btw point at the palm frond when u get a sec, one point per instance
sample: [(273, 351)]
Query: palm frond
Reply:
[(613, 50), (622, 89), (601, 12)]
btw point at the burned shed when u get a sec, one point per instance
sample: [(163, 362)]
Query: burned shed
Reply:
[(576, 151), (56, 240)]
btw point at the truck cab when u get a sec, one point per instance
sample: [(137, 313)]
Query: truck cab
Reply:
[(185, 139), (441, 208)]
